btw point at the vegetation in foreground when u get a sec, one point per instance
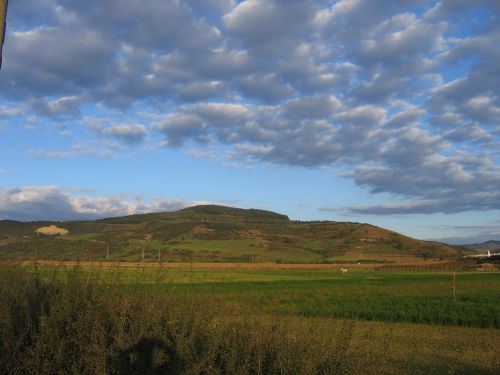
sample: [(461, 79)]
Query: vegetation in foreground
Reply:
[(87, 321)]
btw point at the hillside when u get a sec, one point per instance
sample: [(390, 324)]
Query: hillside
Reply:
[(483, 247), (213, 234)]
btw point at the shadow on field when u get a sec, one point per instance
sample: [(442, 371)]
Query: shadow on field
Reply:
[(148, 356), (436, 364)]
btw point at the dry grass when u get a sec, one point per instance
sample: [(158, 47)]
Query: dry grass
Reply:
[(79, 326), (73, 322)]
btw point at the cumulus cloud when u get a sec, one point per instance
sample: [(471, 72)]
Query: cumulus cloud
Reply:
[(55, 203), (33, 202), (37, 65), (127, 133), (446, 185), (263, 24), (399, 96)]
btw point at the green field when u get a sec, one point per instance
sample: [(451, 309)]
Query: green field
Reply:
[(203, 320), (359, 294)]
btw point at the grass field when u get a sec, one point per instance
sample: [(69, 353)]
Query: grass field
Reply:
[(207, 320), (359, 294)]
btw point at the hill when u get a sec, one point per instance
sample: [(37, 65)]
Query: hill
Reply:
[(214, 234), (483, 247)]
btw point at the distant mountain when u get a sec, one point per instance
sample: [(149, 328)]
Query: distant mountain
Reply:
[(483, 247), (213, 234)]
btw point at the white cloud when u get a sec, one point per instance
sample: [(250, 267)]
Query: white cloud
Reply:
[(269, 23), (55, 203), (61, 106), (128, 133), (6, 111), (393, 93)]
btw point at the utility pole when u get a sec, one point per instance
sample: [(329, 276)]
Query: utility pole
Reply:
[(107, 251), (3, 25), (37, 245), (361, 251), (454, 288)]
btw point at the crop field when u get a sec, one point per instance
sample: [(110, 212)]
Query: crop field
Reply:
[(244, 320)]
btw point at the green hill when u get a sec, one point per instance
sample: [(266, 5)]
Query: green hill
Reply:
[(212, 233)]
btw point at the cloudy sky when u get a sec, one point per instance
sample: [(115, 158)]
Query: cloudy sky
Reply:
[(385, 112)]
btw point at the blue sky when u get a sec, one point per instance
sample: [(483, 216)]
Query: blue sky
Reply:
[(386, 112)]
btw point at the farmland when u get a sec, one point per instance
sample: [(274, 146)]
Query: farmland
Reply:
[(249, 319), (219, 290)]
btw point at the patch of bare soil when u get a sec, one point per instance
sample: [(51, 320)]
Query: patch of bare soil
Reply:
[(52, 230)]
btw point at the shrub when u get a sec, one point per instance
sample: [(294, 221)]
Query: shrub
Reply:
[(79, 323)]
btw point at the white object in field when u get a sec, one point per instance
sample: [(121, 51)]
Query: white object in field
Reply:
[(487, 255), (344, 270)]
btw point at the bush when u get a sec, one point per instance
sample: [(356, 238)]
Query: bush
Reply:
[(78, 323)]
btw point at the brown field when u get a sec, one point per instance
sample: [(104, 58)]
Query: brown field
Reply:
[(228, 266), (356, 255)]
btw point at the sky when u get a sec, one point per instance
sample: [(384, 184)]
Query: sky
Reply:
[(384, 112)]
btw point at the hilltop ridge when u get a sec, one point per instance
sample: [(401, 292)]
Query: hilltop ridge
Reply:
[(200, 212), (245, 213)]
